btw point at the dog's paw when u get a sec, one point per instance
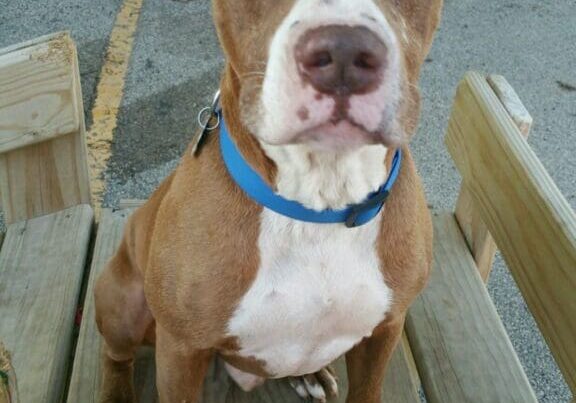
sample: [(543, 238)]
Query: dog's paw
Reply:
[(319, 386)]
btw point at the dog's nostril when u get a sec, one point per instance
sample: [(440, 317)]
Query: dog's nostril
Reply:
[(320, 59), (367, 61)]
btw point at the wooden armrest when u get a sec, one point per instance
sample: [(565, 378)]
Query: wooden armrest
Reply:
[(478, 238), (531, 222)]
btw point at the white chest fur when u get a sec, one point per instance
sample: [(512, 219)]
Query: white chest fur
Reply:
[(318, 292)]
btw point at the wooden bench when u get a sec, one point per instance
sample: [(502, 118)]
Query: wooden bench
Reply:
[(455, 347)]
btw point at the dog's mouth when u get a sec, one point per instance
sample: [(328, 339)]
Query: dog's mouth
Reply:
[(335, 123), (339, 133)]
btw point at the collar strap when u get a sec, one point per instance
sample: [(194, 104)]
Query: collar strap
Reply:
[(260, 192)]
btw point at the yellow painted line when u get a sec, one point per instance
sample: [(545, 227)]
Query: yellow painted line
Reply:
[(109, 96)]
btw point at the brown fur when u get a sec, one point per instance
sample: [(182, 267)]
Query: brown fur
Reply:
[(190, 253)]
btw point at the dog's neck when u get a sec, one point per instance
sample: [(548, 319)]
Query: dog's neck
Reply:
[(318, 179), (327, 179)]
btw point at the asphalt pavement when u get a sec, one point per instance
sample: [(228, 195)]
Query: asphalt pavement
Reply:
[(176, 64)]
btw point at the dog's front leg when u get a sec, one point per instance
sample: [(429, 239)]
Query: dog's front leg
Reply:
[(180, 370), (367, 361)]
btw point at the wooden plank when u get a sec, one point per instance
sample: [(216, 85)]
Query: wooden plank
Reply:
[(477, 235), (85, 381), (461, 348), (43, 165), (36, 88), (41, 268), (478, 238), (532, 223), (43, 178)]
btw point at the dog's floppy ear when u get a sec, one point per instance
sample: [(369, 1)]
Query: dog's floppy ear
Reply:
[(245, 29), (431, 25), (225, 27)]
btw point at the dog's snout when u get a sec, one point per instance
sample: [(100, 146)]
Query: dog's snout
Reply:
[(341, 60)]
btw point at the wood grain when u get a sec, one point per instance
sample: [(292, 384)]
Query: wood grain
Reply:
[(531, 221), (41, 268), (36, 93), (478, 237), (43, 165), (398, 387), (460, 346), (85, 380), (402, 383), (512, 103)]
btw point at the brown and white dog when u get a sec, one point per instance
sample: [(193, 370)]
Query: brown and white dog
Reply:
[(317, 95)]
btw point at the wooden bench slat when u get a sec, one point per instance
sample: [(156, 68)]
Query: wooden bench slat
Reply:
[(460, 346), (85, 381), (530, 220), (399, 384), (42, 264)]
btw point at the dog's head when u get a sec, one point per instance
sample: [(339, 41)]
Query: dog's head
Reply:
[(327, 72)]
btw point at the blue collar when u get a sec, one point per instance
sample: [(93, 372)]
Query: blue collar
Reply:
[(259, 191)]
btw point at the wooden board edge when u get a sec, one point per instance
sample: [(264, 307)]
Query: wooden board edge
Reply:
[(478, 238), (411, 362), (512, 103), (33, 42)]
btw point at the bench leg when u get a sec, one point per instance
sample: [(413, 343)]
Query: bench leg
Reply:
[(367, 362)]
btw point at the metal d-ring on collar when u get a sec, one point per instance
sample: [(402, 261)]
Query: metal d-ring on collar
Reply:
[(203, 119), (212, 111)]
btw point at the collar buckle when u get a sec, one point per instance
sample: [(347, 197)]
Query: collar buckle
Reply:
[(353, 219)]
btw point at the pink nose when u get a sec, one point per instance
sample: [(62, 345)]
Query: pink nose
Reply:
[(341, 60)]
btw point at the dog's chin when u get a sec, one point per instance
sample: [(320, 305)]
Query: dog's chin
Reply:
[(339, 136)]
